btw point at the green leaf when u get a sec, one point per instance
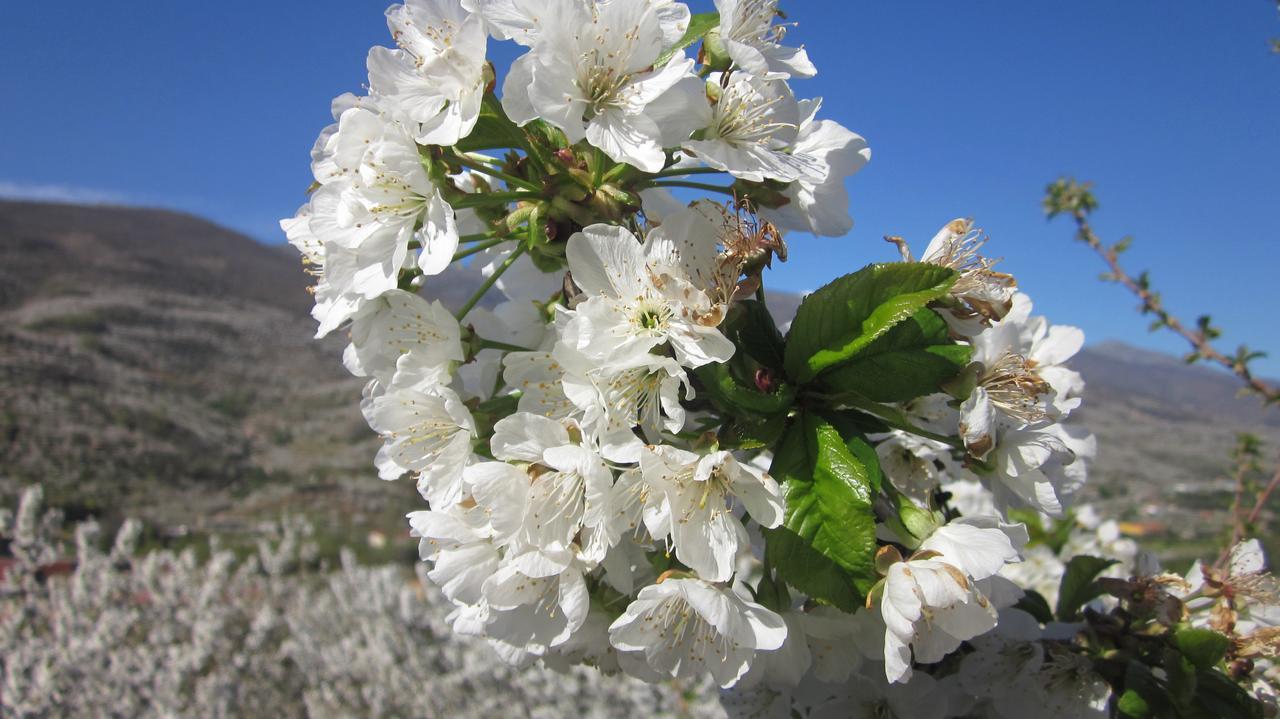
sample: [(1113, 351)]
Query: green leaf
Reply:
[(861, 450), (793, 557), (736, 397), (1034, 603), (492, 130), (1203, 647), (911, 360), (1180, 676), (840, 320), (806, 569), (853, 423), (1078, 585), (699, 25), (772, 594), (1132, 704), (829, 523), (733, 385), (751, 431), (1151, 695), (1219, 697), (1054, 537), (751, 328)]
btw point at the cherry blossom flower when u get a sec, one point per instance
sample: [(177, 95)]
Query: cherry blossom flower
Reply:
[(698, 491), (630, 310), (591, 73), (821, 207), (752, 126), (435, 82), (427, 432), (754, 42), (687, 627), (931, 602)]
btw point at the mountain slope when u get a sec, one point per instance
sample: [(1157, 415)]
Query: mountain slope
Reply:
[(155, 364)]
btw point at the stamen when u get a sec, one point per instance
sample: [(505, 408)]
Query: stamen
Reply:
[(1015, 388)]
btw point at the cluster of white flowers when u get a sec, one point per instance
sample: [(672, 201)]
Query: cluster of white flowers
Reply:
[(610, 73), (565, 495), (277, 634), (586, 504)]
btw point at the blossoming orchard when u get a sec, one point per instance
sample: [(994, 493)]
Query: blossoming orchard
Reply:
[(629, 462)]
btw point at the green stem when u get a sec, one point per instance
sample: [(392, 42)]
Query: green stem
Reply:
[(492, 198), (617, 171), (495, 345), (678, 171), (694, 186), (472, 163), (895, 418), (465, 239), (477, 248), (595, 162), (490, 281)]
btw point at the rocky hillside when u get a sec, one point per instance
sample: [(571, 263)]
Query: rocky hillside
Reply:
[(1165, 435), (155, 364)]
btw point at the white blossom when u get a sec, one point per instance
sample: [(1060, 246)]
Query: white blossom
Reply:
[(379, 199), (457, 541), (752, 126), (1039, 468), (931, 602), (336, 298), (699, 491), (591, 73), (403, 339), (1022, 381), (434, 83), (629, 310), (642, 389), (687, 627), (754, 42), (987, 294), (533, 605), (425, 431), (563, 491), (821, 207)]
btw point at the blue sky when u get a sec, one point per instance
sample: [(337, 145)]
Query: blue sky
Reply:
[(1172, 108)]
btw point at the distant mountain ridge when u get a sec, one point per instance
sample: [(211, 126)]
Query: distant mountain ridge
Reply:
[(157, 364), (154, 363), (54, 249), (1117, 367)]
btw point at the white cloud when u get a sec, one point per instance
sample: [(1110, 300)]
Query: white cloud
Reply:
[(60, 193)]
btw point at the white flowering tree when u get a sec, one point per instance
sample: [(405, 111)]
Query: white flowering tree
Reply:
[(626, 461)]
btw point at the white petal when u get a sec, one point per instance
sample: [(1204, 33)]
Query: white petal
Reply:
[(524, 436), (606, 260)]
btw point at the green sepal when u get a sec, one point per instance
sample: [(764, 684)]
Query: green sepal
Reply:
[(699, 25), (1079, 584), (1202, 647)]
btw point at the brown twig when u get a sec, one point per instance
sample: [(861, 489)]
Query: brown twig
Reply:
[(1244, 464), (1151, 303), (1241, 525), (1239, 475), (1074, 198), (1263, 496)]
